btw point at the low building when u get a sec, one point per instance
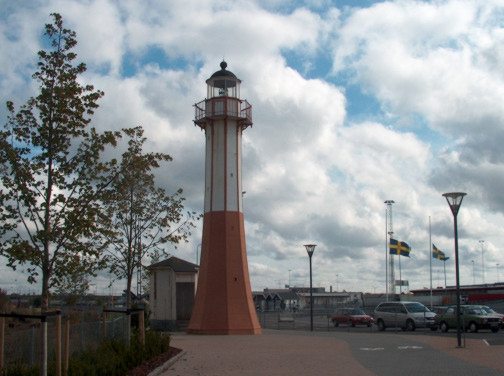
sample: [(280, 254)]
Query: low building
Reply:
[(491, 294), (276, 300), (172, 289), (329, 300), (295, 298)]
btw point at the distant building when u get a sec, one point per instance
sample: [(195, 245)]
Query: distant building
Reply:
[(488, 294), (295, 298), (172, 289), (276, 300)]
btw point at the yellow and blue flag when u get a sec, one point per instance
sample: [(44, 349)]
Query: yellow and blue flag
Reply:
[(399, 248), (438, 254)]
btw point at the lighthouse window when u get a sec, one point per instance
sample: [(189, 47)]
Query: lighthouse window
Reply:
[(218, 107), (223, 88)]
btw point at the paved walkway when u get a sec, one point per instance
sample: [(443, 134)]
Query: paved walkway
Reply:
[(279, 353)]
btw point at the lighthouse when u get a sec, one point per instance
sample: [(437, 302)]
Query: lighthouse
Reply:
[(223, 303)]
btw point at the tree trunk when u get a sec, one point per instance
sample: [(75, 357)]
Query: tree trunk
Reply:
[(128, 290), (44, 305)]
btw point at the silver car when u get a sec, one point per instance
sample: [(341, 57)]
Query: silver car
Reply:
[(404, 315)]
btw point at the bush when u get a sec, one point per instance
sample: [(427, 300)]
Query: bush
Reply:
[(115, 358), (111, 358), (20, 370)]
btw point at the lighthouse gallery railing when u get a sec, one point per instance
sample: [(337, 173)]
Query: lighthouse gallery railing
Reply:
[(218, 107)]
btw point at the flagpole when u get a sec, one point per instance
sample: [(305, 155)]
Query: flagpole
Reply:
[(430, 258), (386, 256), (444, 267), (391, 277), (400, 275)]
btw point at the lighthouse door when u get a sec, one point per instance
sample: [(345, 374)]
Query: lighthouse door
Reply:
[(185, 300)]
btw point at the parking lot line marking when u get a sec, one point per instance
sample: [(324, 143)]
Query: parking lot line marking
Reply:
[(409, 347), (372, 348)]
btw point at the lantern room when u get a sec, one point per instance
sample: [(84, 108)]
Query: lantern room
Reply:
[(223, 83), (223, 100)]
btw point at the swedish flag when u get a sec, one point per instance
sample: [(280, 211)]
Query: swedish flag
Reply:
[(399, 248), (438, 254)]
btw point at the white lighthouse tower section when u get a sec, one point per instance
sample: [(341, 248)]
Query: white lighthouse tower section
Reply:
[(222, 170), (233, 183), (208, 170)]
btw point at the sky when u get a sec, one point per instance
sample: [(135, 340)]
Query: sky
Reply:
[(354, 103)]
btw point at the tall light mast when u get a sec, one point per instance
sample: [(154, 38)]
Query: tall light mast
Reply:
[(223, 303), (390, 232)]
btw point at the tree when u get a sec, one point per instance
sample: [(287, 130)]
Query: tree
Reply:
[(142, 215), (73, 287), (51, 171)]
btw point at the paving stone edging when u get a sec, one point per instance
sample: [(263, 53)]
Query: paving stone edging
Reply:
[(158, 371)]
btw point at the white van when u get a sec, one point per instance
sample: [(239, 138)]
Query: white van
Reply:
[(404, 315)]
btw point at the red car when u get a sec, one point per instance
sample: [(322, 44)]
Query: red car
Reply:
[(351, 316)]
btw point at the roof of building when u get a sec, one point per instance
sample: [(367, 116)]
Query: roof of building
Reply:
[(176, 264), (280, 294)]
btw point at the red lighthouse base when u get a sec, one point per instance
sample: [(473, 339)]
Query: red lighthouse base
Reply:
[(224, 302)]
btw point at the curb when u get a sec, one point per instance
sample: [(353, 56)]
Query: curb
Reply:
[(158, 371)]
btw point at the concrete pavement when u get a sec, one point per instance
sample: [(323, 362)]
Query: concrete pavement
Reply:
[(279, 353)]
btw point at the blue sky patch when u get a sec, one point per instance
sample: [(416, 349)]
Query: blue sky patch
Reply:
[(132, 63)]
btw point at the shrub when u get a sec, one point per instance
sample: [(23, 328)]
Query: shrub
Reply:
[(111, 358), (115, 358)]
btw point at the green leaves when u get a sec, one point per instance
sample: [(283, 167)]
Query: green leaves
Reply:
[(141, 216), (51, 170), (61, 204)]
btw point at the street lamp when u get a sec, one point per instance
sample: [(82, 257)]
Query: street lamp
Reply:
[(310, 248), (454, 200), (474, 275)]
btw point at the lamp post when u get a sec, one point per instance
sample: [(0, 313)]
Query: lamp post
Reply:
[(454, 200), (310, 248)]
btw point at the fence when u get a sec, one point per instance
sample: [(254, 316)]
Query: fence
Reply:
[(301, 320), (33, 339)]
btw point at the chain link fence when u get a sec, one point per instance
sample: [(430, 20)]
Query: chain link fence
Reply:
[(301, 319)]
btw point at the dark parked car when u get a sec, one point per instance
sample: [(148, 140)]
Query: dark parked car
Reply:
[(438, 310), (491, 311), (473, 318), (351, 316)]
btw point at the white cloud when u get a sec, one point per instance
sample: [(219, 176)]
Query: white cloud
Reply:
[(310, 174)]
